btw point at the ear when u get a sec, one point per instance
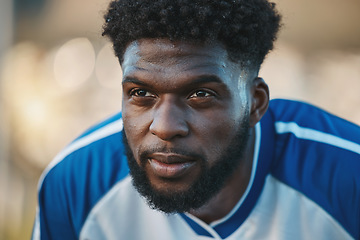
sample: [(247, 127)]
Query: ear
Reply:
[(259, 100)]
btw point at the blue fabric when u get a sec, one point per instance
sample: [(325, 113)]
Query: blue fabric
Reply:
[(75, 185), (326, 174), (196, 227), (309, 116)]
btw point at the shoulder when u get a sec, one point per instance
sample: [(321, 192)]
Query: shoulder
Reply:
[(304, 125), (101, 144), (318, 154), (83, 173), (309, 116)]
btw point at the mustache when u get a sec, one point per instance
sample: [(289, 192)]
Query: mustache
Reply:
[(160, 149)]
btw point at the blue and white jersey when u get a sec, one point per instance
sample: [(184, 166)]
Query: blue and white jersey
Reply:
[(305, 184)]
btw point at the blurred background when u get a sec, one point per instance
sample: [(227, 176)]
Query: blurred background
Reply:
[(58, 76)]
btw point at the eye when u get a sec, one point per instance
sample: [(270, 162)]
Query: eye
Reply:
[(201, 94), (137, 92)]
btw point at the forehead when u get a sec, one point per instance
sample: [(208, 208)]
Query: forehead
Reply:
[(163, 55)]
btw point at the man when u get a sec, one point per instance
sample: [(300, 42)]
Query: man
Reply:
[(199, 152)]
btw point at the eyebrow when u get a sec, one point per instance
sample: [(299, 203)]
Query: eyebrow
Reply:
[(135, 81), (198, 80), (206, 79)]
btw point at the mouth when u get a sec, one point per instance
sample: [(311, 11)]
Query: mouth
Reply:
[(170, 165)]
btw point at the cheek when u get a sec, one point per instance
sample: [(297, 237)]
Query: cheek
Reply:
[(216, 131), (218, 128), (135, 127), (135, 119)]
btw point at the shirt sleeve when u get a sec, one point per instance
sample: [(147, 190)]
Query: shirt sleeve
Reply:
[(53, 218)]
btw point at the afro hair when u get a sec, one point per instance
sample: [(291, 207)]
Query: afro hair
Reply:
[(247, 28)]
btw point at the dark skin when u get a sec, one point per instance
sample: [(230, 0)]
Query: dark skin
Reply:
[(189, 97)]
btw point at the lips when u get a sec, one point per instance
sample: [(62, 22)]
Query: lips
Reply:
[(170, 165)]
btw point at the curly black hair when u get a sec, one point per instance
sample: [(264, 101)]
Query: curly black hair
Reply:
[(247, 28)]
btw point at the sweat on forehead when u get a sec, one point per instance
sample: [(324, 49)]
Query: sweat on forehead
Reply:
[(181, 57), (247, 28), (180, 49)]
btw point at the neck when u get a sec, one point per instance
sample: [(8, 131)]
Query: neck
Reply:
[(220, 205)]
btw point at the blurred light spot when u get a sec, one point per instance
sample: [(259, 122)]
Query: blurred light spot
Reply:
[(74, 63), (35, 113), (108, 70)]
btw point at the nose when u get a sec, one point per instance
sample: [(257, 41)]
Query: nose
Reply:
[(169, 121)]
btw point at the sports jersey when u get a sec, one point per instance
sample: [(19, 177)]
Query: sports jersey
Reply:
[(304, 184)]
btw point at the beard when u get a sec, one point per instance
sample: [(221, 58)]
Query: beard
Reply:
[(206, 186)]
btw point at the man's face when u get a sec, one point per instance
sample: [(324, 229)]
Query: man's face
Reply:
[(186, 120)]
